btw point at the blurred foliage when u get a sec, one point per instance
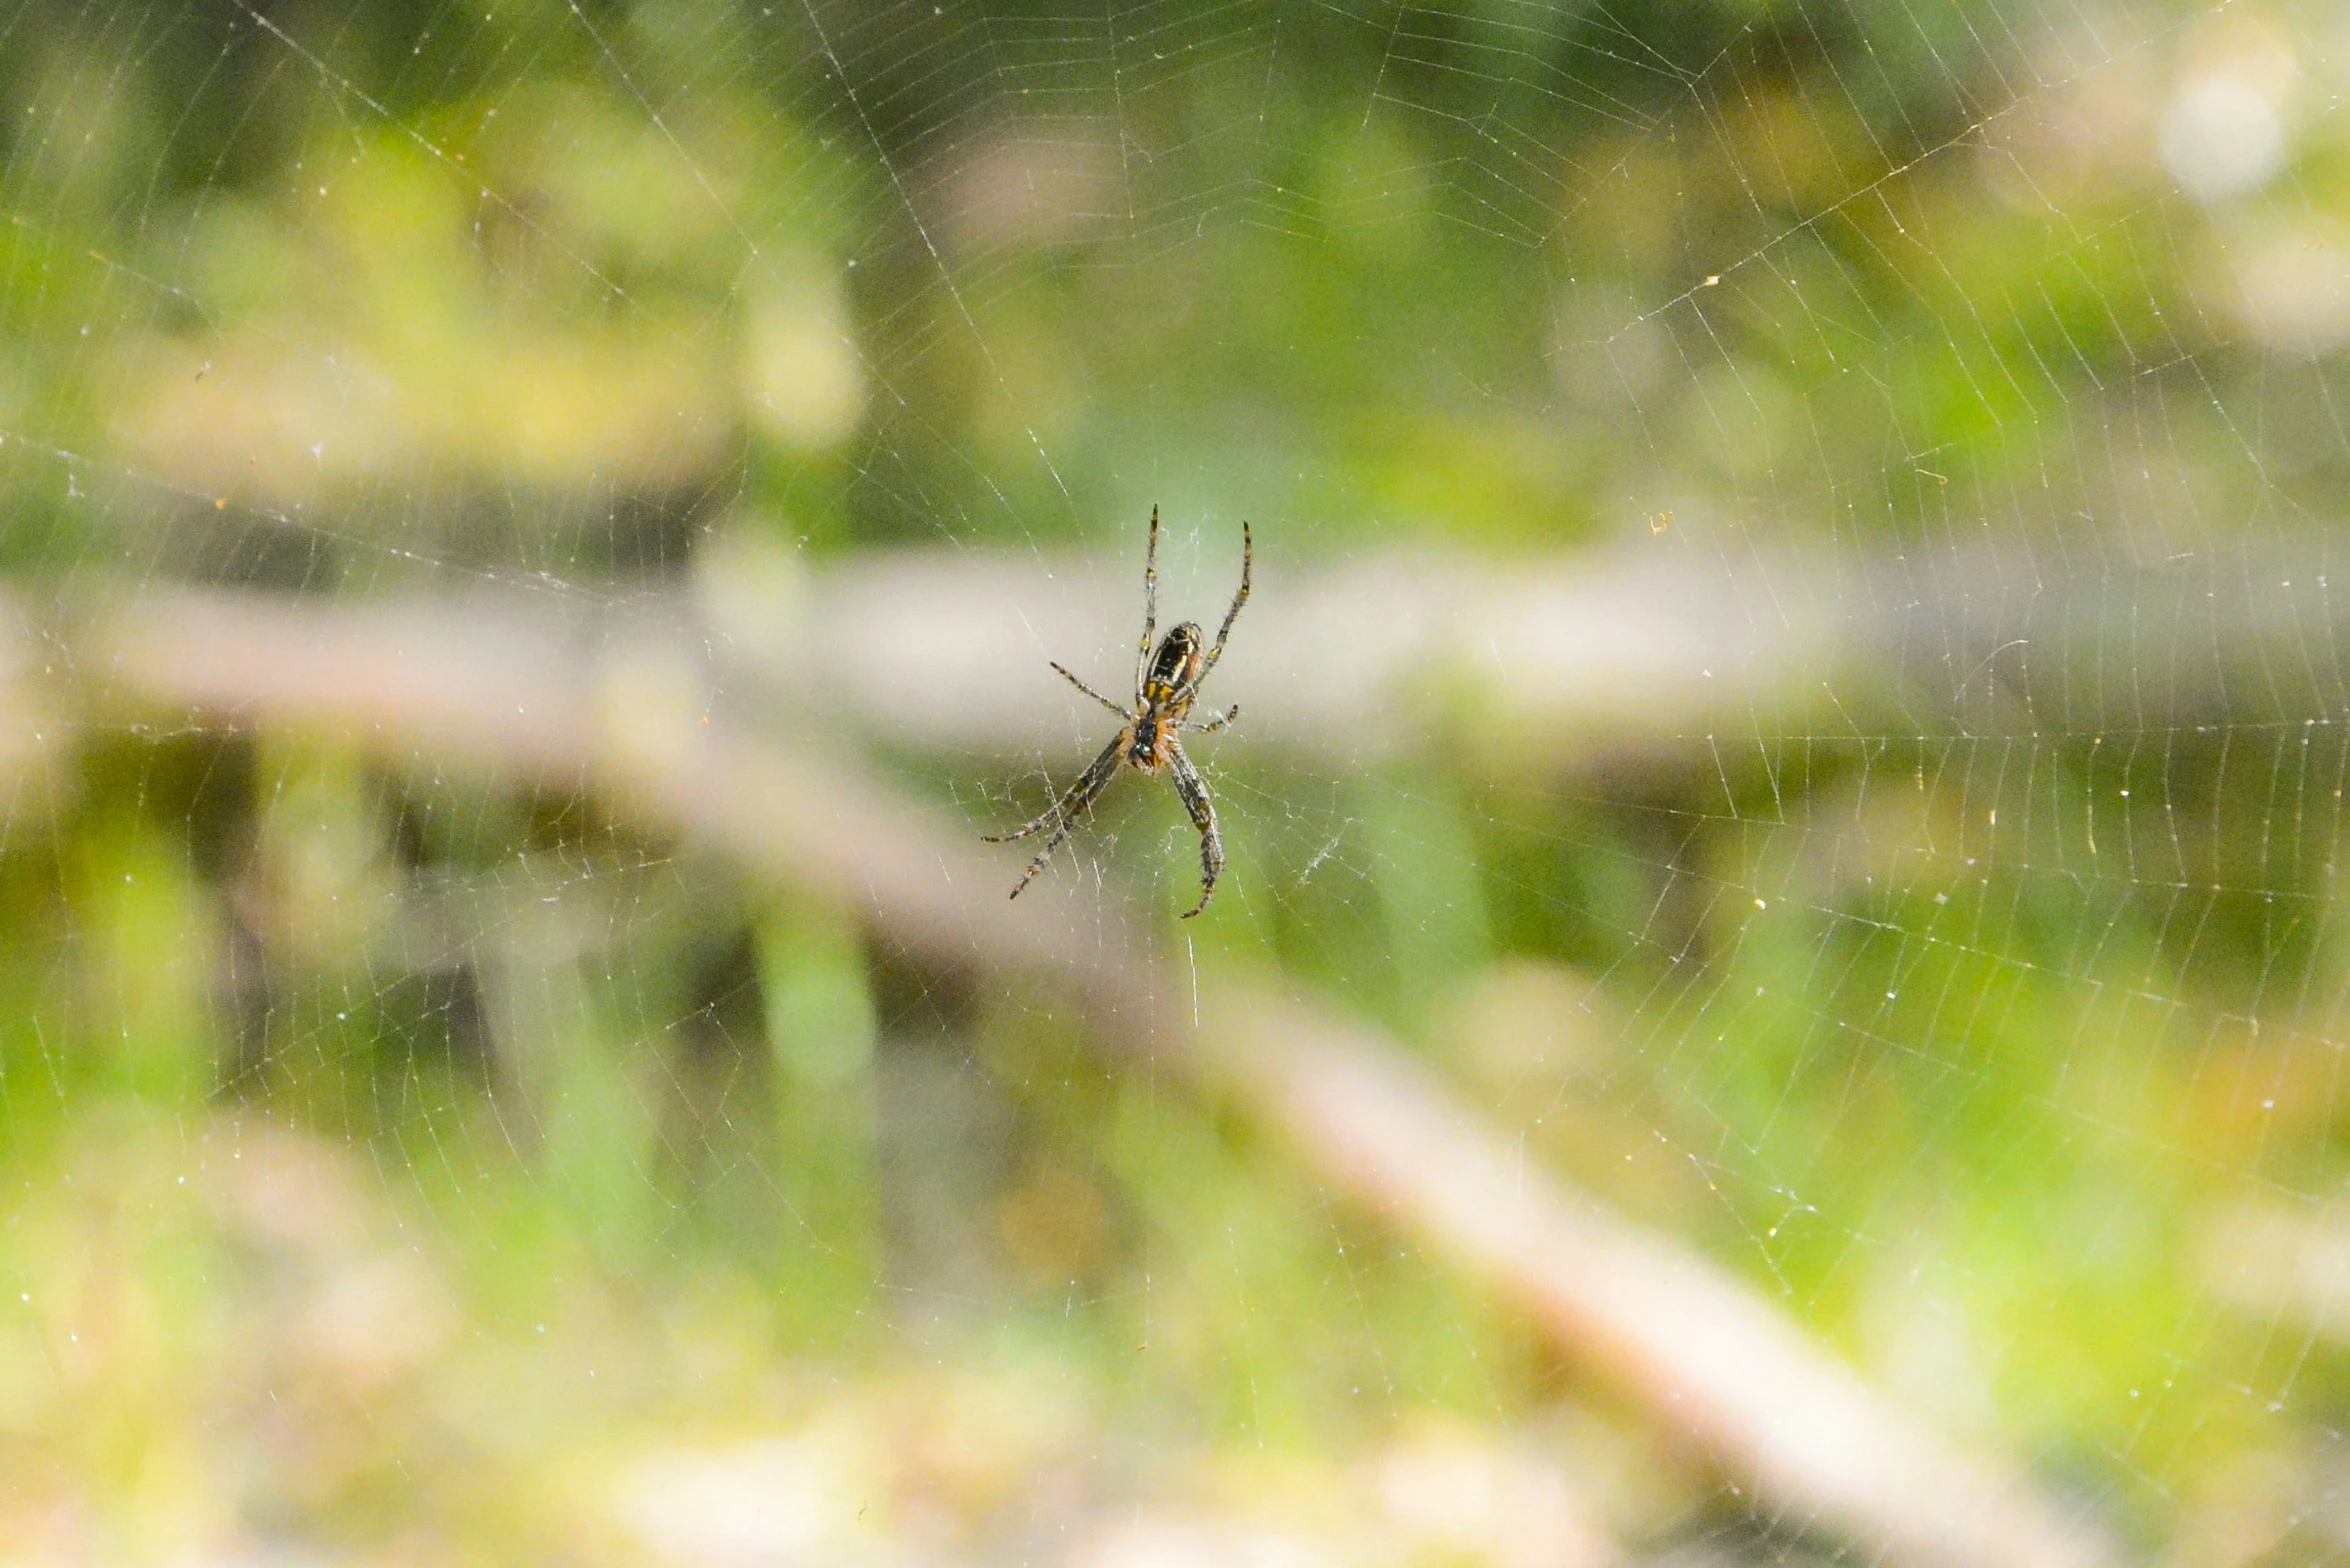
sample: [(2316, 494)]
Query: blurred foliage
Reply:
[(403, 1164)]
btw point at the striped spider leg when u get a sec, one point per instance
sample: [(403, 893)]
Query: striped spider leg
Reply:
[(1066, 811)]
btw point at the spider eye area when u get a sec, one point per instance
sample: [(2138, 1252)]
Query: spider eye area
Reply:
[(1153, 739)]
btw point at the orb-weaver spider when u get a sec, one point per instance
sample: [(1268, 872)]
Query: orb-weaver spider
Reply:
[(1165, 686)]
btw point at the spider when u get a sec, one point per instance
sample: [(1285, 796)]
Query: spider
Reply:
[(1165, 686)]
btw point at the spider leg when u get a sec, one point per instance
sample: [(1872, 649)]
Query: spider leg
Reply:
[(1090, 692), (1062, 819), (1248, 553), (1210, 726), (1192, 790), (1150, 607)]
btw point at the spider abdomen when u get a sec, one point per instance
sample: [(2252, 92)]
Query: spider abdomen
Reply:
[(1174, 667)]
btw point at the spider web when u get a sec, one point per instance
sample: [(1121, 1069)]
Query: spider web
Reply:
[(1792, 662)]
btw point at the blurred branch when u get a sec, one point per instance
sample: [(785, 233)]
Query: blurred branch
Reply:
[(2268, 1259), (1676, 636), (629, 709), (951, 649)]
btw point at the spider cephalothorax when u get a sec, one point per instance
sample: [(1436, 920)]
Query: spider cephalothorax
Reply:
[(1166, 684)]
